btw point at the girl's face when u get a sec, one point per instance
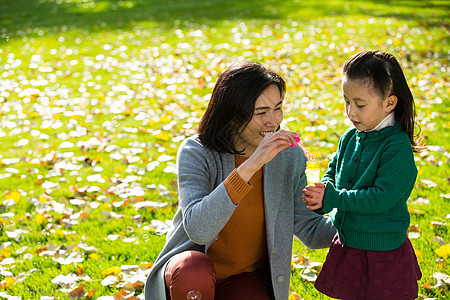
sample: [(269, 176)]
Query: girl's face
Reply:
[(363, 106), (267, 116)]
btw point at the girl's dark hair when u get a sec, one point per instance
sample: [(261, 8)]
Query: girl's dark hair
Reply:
[(387, 78), (232, 104)]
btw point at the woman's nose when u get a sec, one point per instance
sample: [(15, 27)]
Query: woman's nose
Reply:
[(270, 120)]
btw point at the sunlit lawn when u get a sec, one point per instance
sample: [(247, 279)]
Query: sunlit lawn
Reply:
[(96, 96)]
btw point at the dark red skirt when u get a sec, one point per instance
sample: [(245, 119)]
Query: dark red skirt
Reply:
[(350, 273)]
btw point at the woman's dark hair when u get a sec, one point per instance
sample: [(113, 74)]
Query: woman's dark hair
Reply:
[(232, 104), (386, 78)]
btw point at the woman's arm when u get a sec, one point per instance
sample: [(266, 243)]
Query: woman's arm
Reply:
[(269, 147), (206, 208)]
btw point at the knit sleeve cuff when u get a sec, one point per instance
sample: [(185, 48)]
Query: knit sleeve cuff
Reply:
[(236, 187), (329, 198)]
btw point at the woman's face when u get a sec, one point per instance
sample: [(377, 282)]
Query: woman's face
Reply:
[(267, 116)]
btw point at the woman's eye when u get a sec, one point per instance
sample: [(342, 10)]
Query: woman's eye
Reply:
[(360, 106)]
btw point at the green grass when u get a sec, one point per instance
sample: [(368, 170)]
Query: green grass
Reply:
[(126, 81)]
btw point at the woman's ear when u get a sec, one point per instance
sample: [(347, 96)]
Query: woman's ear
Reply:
[(390, 103)]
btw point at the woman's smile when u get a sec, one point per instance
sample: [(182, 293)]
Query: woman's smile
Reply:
[(267, 115), (263, 133)]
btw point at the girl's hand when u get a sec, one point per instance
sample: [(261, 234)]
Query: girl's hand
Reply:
[(269, 147), (313, 195)]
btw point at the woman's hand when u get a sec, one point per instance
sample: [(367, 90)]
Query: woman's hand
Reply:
[(269, 147), (313, 195)]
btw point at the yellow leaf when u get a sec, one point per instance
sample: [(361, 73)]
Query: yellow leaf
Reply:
[(3, 222), (9, 282), (5, 252), (40, 219), (415, 211), (419, 255), (294, 296), (146, 265), (94, 256), (443, 251), (13, 196), (111, 271)]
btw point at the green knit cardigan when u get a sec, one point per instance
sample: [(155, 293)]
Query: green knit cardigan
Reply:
[(369, 181)]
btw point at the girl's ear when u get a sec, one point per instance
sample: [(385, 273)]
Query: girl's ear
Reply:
[(390, 103)]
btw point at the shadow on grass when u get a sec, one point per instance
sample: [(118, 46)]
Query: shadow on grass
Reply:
[(42, 17)]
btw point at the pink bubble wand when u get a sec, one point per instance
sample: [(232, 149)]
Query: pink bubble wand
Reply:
[(312, 171)]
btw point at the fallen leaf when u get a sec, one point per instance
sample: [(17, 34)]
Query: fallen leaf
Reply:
[(9, 282), (294, 296), (309, 274), (436, 224), (441, 276), (65, 280), (443, 251), (111, 271), (415, 211), (77, 293), (429, 183), (15, 196), (438, 240), (109, 280)]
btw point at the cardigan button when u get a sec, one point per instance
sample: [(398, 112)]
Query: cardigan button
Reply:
[(350, 179), (355, 159), (274, 249), (280, 279)]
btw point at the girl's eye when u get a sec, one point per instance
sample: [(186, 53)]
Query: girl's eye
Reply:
[(360, 106), (278, 108), (259, 114)]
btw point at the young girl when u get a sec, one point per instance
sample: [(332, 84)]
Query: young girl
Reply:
[(367, 185)]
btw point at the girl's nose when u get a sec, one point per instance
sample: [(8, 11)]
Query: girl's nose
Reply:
[(349, 110)]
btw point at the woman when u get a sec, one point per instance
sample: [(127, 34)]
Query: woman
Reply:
[(240, 198)]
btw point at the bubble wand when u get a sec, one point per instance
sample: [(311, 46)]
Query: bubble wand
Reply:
[(312, 169)]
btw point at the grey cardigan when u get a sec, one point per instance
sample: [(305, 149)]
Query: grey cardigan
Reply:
[(205, 208)]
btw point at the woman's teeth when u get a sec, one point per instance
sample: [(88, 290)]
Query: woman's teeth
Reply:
[(263, 133)]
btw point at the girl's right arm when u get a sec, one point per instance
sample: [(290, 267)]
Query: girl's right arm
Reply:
[(331, 171)]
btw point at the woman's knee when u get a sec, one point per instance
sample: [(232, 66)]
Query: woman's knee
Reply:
[(190, 270)]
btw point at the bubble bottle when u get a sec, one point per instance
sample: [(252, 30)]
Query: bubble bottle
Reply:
[(194, 295), (312, 169)]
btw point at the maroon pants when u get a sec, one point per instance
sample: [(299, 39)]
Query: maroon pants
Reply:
[(193, 272)]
